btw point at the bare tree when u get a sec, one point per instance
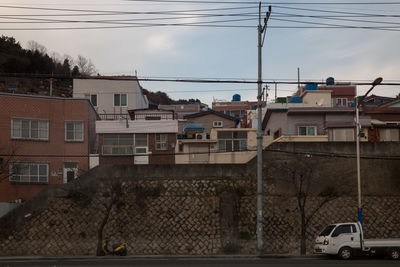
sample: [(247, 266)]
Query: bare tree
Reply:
[(70, 59), (56, 57), (304, 183), (86, 67), (36, 47), (114, 195), (6, 162)]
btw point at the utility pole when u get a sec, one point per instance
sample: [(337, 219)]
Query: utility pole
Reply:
[(261, 38)]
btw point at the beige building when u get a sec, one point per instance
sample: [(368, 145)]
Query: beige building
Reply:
[(212, 119), (112, 97), (226, 145)]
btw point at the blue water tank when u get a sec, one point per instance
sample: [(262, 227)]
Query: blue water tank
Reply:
[(311, 86), (236, 97), (295, 99), (330, 81)]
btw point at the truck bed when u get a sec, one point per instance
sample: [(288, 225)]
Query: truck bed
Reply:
[(390, 242)]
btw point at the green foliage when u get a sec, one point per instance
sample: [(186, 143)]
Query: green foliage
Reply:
[(82, 234), (106, 194)]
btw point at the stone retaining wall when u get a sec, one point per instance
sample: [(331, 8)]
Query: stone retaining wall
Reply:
[(184, 217)]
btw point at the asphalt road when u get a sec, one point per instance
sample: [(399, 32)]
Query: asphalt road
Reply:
[(179, 262)]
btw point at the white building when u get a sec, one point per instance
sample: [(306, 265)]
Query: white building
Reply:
[(111, 96)]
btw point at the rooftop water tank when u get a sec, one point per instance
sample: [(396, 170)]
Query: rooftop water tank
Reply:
[(311, 86), (330, 81), (236, 97)]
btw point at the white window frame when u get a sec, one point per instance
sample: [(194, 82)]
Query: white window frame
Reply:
[(218, 124), (74, 131), (307, 126), (29, 178), (341, 102), (89, 96), (120, 98), (125, 150), (240, 141), (161, 142), (29, 120)]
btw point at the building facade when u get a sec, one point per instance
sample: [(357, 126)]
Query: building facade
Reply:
[(112, 97), (137, 141), (44, 140)]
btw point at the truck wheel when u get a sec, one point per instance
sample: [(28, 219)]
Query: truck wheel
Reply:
[(345, 253), (394, 253)]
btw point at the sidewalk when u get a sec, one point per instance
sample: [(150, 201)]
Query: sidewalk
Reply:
[(265, 256)]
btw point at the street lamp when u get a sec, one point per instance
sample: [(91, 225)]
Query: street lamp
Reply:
[(376, 82)]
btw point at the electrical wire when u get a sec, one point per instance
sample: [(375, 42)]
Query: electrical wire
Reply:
[(310, 153)]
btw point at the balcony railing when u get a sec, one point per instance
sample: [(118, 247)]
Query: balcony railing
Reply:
[(113, 116)]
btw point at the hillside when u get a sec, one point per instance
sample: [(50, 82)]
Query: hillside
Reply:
[(19, 66)]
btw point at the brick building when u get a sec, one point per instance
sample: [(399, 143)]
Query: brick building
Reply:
[(138, 141), (43, 140)]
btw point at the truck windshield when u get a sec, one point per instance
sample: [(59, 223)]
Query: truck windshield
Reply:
[(327, 230)]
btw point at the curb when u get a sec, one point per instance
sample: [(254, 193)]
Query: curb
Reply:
[(267, 256)]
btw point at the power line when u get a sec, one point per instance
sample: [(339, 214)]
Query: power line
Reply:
[(311, 153), (197, 80)]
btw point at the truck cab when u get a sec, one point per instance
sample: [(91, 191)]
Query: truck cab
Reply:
[(346, 239), (337, 236)]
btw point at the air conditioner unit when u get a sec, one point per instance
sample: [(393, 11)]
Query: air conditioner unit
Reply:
[(201, 136)]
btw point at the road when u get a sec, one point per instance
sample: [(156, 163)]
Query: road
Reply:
[(200, 262)]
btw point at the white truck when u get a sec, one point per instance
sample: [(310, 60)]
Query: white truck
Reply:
[(346, 240)]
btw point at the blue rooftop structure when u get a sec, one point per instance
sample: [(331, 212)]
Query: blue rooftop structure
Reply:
[(194, 127)]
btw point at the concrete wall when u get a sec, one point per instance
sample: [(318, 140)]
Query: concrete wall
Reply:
[(294, 121), (105, 90), (277, 122), (317, 98)]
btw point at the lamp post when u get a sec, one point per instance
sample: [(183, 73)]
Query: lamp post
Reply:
[(376, 82)]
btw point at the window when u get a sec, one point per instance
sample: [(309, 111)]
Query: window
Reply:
[(341, 102), (342, 229), (74, 131), (217, 124), (29, 172), (232, 141), (30, 129), (120, 100), (124, 144), (92, 98), (161, 141), (140, 143), (307, 130)]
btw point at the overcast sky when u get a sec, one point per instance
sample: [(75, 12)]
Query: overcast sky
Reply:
[(347, 54)]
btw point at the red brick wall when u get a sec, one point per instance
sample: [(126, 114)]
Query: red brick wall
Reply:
[(162, 156), (55, 151)]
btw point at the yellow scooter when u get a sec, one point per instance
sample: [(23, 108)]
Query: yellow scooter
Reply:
[(117, 249)]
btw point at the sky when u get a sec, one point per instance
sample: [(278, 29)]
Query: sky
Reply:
[(360, 53)]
